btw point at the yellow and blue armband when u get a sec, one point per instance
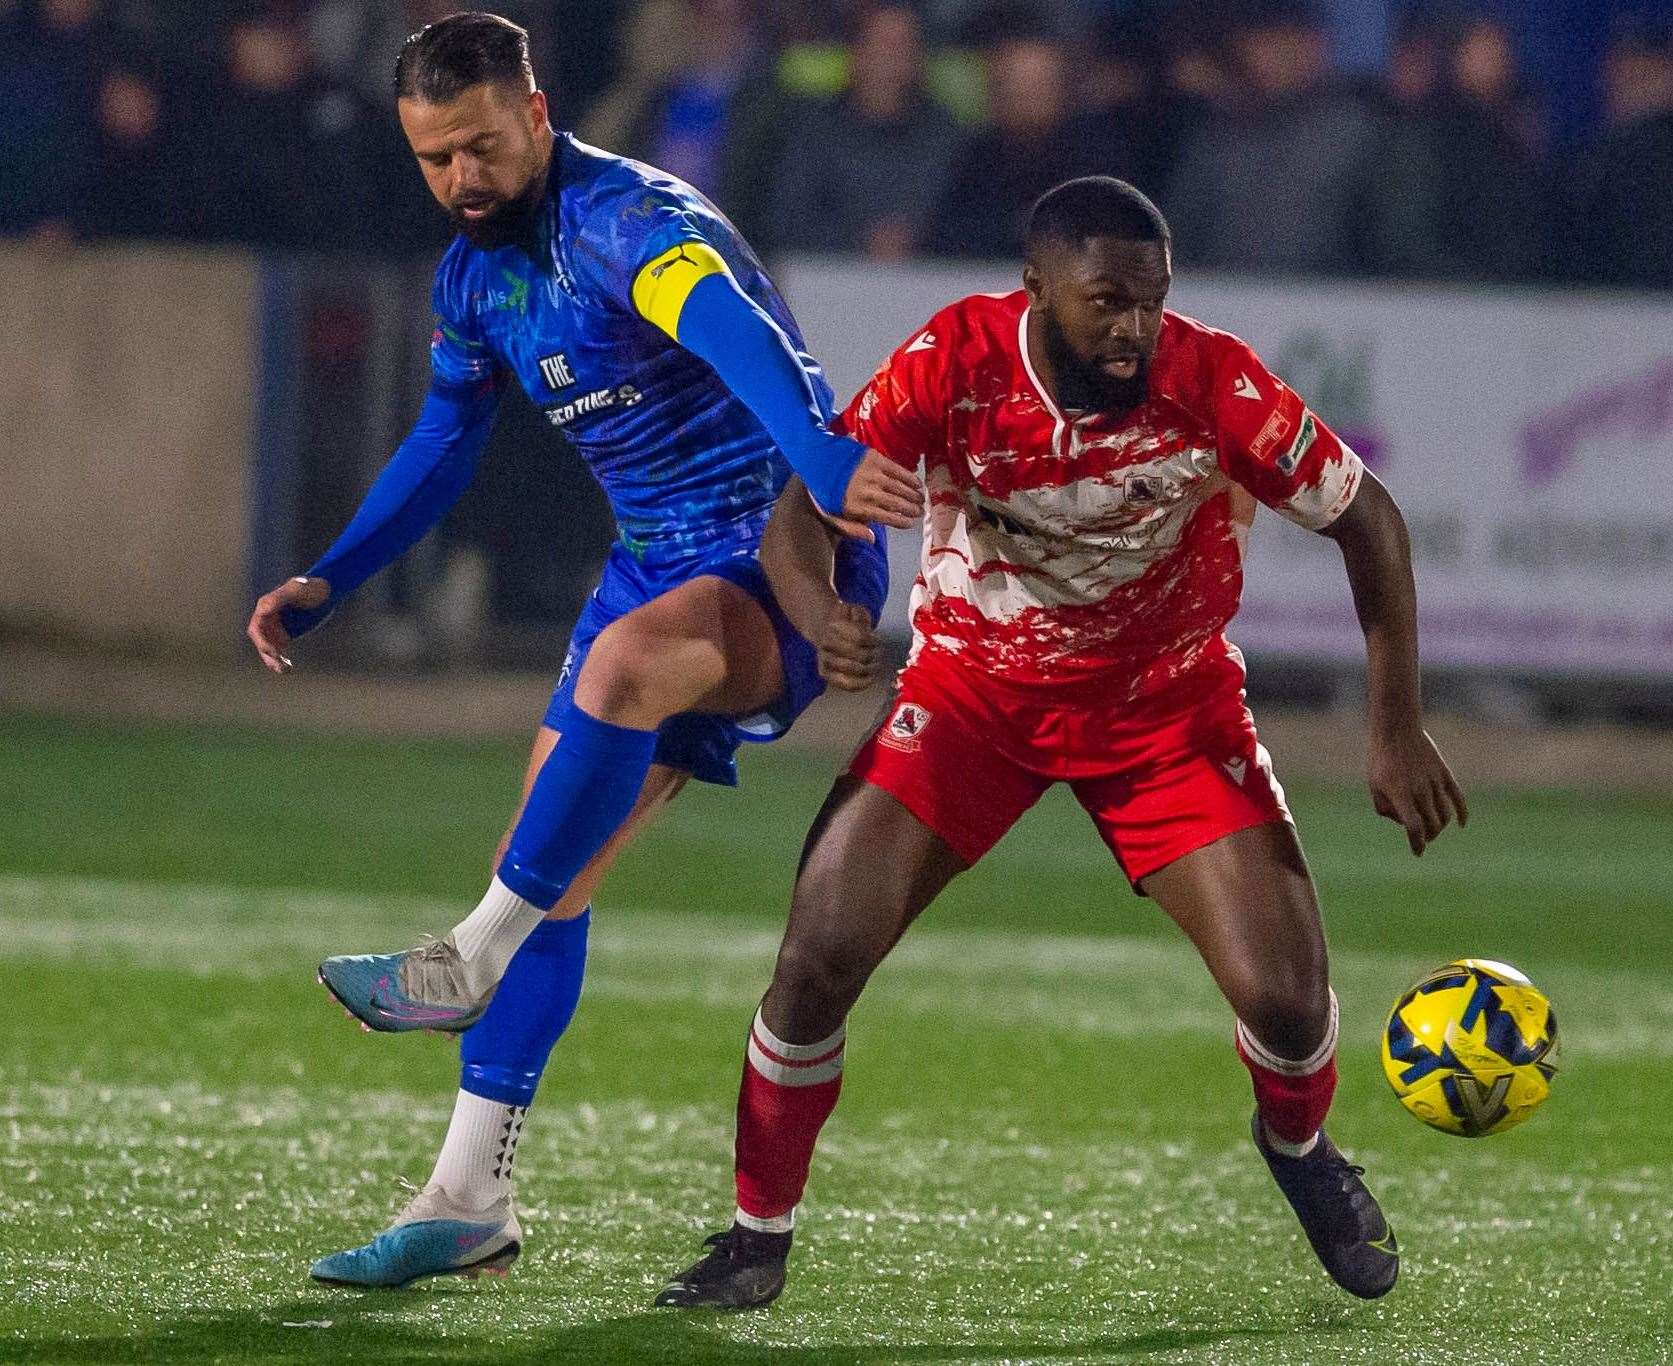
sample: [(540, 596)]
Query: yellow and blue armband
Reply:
[(688, 293)]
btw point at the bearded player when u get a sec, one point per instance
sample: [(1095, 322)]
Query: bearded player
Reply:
[(1093, 463), (632, 314)]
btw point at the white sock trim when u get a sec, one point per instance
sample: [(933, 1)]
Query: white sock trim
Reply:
[(1289, 1067), (793, 1064), (477, 1156), (493, 932), (797, 1052), (778, 1223), (1284, 1146)]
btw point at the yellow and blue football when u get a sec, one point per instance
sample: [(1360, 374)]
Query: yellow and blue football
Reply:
[(1471, 1049)]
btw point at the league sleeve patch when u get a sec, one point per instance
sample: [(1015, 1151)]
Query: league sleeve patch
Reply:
[(1280, 427), (1291, 459)]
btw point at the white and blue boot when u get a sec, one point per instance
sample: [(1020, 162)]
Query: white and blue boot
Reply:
[(435, 1235), (422, 988)]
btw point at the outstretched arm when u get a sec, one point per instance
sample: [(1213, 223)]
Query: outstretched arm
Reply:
[(690, 294), (798, 552), (1410, 780), (424, 478)]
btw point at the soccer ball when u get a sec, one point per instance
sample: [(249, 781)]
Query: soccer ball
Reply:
[(1471, 1049)]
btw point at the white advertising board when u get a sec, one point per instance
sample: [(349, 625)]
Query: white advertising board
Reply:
[(1528, 436)]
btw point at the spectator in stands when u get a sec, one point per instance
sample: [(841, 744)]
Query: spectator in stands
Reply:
[(1274, 183), (865, 170), (1414, 61), (684, 127), (659, 34), (51, 54), (134, 182), (257, 99), (1032, 141), (1127, 119), (1625, 214), (720, 120), (285, 161), (1456, 194)]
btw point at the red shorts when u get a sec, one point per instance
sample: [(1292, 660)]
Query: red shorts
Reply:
[(967, 756)]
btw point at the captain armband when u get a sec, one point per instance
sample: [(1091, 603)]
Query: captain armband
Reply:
[(666, 282)]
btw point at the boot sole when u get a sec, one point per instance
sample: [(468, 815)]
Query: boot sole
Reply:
[(494, 1264)]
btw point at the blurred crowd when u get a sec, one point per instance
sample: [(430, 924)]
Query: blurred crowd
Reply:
[(883, 128)]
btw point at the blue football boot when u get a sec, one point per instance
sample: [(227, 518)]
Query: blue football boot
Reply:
[(433, 1236), (423, 988)]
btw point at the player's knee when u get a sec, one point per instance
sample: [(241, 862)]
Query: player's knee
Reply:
[(823, 971), (620, 681), (1287, 1009)]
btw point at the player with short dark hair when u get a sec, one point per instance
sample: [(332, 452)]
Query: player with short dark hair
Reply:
[(441, 61), (641, 324), (1093, 462)]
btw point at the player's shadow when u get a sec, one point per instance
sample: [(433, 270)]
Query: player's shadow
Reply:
[(362, 1329), (657, 1336)]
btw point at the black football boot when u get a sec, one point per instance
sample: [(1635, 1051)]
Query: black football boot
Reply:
[(1340, 1217), (743, 1269)]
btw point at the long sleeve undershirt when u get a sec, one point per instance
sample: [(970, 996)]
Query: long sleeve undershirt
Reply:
[(716, 321), (423, 479)]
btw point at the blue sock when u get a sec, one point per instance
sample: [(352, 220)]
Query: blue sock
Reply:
[(502, 1055), (584, 792)]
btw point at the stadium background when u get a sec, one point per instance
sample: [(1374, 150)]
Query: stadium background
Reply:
[(1450, 225)]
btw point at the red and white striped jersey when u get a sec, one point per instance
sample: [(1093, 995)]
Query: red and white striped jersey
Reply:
[(1080, 552)]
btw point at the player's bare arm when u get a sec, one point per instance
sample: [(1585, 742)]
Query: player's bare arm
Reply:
[(266, 630), (1410, 781), (798, 552)]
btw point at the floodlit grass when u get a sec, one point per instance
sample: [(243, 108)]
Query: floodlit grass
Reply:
[(1041, 1153)]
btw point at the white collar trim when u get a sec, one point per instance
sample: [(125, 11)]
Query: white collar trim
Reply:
[(1028, 365)]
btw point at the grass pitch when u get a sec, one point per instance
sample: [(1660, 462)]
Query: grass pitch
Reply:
[(1041, 1153)]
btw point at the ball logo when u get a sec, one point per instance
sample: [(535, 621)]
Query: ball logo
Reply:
[(1481, 1105), (905, 727)]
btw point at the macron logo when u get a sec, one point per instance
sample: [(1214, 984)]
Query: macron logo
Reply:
[(924, 343), (1245, 388), (1235, 769)]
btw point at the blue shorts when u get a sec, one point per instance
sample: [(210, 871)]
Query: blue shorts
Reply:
[(703, 744)]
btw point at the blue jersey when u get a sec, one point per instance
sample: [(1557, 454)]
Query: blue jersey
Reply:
[(646, 330), (684, 461)]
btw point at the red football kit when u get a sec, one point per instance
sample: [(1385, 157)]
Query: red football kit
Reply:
[(1078, 573)]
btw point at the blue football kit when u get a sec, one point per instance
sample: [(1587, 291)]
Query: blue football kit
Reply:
[(646, 330)]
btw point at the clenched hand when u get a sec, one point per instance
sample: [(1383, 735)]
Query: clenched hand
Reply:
[(848, 648)]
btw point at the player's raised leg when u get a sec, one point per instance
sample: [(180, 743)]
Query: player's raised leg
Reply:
[(662, 785), (705, 646), (463, 1222), (869, 867), (1248, 903)]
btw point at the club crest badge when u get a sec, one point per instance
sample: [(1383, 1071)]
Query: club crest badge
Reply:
[(905, 727)]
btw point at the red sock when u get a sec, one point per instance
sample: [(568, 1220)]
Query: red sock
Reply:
[(1292, 1097), (788, 1092)]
